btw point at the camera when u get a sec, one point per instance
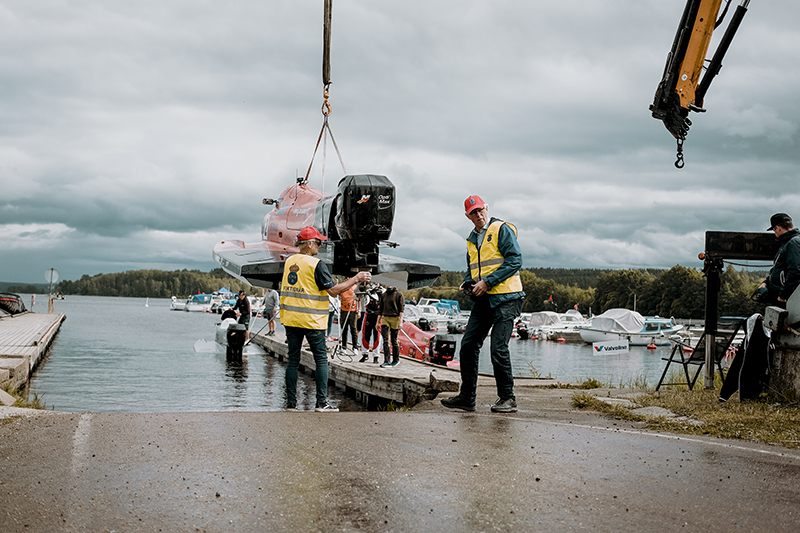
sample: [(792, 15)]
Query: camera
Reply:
[(467, 288)]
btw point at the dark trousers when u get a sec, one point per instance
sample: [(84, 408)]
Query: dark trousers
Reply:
[(348, 321), (370, 334), (500, 321), (316, 342), (386, 332)]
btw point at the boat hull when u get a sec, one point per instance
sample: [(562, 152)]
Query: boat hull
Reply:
[(634, 339)]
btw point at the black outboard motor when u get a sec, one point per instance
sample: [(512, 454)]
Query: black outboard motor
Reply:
[(235, 339), (364, 215), (423, 324), (443, 349)]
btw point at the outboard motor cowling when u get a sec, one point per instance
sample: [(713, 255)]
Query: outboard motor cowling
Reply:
[(364, 215), (443, 349), (235, 339)]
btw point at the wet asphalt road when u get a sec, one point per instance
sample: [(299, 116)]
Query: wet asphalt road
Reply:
[(432, 470)]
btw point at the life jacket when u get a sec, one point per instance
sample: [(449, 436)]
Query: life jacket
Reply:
[(303, 304), (488, 258)]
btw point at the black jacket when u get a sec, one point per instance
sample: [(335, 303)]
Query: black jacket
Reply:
[(784, 276)]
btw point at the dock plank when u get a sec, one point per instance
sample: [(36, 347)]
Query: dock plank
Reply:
[(405, 383), (24, 339)]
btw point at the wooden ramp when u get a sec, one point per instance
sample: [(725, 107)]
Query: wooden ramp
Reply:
[(23, 341), (408, 383)]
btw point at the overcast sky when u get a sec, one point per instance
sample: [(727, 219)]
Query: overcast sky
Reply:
[(138, 134)]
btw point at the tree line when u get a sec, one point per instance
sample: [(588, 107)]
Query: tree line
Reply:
[(152, 283), (677, 292)]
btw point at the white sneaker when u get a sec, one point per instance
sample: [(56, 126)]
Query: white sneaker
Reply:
[(327, 408)]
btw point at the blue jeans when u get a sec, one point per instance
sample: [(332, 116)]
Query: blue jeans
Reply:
[(316, 341), (500, 321)]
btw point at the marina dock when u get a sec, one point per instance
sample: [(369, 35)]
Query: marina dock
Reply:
[(408, 383), (24, 339)]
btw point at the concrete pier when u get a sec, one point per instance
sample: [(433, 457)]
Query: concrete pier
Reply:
[(24, 339), (410, 382)]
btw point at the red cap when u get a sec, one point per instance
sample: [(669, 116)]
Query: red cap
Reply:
[(308, 233), (472, 203)]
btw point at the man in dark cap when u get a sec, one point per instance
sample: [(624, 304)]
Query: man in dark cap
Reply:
[(784, 276), (244, 311)]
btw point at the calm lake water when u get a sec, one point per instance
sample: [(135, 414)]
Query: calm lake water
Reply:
[(116, 355)]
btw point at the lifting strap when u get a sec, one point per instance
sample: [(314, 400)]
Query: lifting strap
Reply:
[(326, 106)]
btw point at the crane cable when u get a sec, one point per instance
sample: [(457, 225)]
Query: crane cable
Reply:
[(326, 106)]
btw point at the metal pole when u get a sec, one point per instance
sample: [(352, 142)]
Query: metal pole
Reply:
[(713, 267)]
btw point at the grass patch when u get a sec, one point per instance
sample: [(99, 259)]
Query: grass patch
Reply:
[(391, 406), (535, 373), (770, 420), (26, 402)]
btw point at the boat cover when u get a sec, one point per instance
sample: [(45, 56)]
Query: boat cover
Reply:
[(543, 318), (618, 320)]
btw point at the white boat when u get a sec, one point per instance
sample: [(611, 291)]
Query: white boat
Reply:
[(220, 343), (620, 324), (198, 303), (413, 314), (565, 327), (537, 321), (204, 302), (177, 305)]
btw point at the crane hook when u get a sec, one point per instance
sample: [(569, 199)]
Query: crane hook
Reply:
[(326, 106), (679, 161)]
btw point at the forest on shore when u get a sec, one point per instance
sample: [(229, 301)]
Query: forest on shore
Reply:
[(676, 292)]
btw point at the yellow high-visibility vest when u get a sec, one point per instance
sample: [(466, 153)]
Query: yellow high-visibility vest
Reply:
[(488, 258), (303, 304)]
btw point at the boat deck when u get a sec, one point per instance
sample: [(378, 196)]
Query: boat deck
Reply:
[(24, 339)]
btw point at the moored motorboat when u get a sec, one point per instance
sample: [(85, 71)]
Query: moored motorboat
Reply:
[(177, 305), (565, 328), (434, 348), (621, 324), (11, 304)]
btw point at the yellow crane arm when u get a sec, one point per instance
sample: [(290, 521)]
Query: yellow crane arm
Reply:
[(683, 85)]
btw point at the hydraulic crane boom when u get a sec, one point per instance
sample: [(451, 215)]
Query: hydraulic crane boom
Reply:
[(681, 88)]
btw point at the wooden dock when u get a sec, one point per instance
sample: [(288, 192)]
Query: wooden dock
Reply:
[(408, 383), (24, 339)]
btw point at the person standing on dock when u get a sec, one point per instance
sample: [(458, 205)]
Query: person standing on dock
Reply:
[(492, 280), (392, 304), (348, 318), (271, 300), (305, 288), (784, 276), (243, 310), (370, 328)]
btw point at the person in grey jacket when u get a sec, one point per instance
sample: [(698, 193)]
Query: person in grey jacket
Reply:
[(784, 276), (271, 302)]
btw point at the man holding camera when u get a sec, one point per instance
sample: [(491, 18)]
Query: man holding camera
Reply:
[(493, 262)]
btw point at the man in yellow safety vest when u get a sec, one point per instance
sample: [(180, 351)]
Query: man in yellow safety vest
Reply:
[(305, 288), (492, 280)]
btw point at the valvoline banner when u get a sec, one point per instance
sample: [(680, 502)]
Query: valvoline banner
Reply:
[(604, 347)]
